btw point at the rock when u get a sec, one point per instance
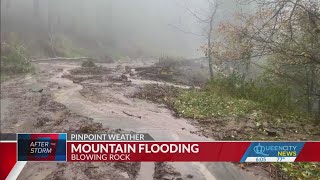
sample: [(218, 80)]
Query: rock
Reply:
[(233, 133), (308, 127), (189, 176), (41, 121), (170, 177), (271, 132), (119, 67), (167, 177), (253, 116), (265, 124), (124, 77), (251, 125), (127, 69), (125, 175), (36, 88), (76, 81)]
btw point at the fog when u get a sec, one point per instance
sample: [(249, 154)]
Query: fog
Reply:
[(113, 27)]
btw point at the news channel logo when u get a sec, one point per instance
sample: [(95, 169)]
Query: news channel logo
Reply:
[(42, 147), (260, 150), (274, 149)]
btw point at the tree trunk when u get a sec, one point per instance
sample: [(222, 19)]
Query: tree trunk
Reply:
[(308, 90), (210, 62), (210, 51)]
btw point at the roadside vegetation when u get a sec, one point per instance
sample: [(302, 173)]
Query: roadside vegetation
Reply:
[(233, 109), (282, 40), (233, 96), (14, 61), (269, 104)]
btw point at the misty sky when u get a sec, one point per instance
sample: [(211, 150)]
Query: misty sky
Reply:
[(151, 26)]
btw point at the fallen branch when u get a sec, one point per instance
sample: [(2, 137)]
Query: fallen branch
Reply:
[(131, 115), (59, 58)]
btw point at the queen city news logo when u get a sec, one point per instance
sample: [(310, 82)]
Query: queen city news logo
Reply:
[(260, 150), (272, 151)]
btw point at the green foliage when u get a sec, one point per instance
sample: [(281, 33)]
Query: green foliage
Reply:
[(14, 60), (300, 78), (234, 96), (268, 102), (266, 94)]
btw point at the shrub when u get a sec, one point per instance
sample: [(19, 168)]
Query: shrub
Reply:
[(234, 96), (268, 95), (14, 60), (166, 61), (88, 63)]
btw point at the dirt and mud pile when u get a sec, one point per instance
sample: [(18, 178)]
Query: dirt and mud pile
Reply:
[(104, 90), (28, 106), (157, 93), (192, 72), (164, 171), (48, 102)]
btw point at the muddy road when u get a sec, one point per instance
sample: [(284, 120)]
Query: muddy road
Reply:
[(63, 97)]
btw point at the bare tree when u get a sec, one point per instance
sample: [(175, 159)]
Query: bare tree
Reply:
[(208, 23), (51, 25), (209, 35)]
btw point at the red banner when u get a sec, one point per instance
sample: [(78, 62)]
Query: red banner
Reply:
[(156, 151), (8, 158), (112, 151)]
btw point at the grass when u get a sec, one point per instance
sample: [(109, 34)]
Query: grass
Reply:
[(233, 96), (300, 170), (199, 104)]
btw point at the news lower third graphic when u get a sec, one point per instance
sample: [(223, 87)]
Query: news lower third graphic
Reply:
[(141, 147), (42, 147)]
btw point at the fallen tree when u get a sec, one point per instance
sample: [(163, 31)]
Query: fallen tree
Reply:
[(61, 58)]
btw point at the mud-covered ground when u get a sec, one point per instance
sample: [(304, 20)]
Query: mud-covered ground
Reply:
[(127, 97), (28, 104), (97, 85)]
